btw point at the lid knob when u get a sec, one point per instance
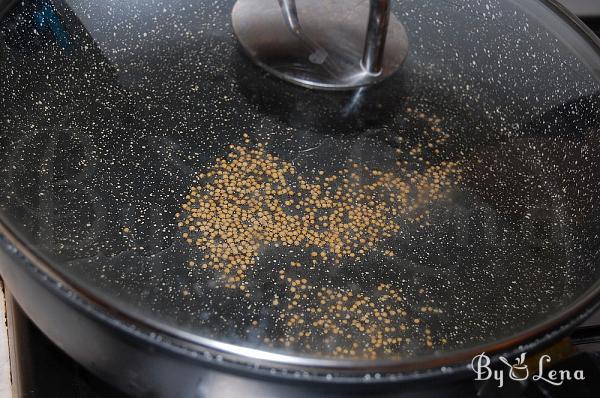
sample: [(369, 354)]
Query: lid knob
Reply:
[(323, 44)]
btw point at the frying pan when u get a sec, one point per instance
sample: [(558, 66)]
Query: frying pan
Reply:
[(113, 114)]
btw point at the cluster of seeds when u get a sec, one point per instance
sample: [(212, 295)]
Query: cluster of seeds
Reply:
[(344, 323), (252, 200)]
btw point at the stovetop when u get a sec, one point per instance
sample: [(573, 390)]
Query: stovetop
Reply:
[(39, 369)]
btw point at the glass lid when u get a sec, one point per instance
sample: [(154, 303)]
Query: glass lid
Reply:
[(454, 204)]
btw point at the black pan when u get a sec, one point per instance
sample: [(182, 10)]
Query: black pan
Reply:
[(478, 230)]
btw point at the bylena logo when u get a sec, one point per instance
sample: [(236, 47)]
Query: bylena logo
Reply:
[(519, 371)]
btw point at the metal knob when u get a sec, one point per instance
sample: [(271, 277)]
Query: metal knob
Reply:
[(324, 44)]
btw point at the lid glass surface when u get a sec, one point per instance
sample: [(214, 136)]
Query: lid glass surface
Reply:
[(148, 160)]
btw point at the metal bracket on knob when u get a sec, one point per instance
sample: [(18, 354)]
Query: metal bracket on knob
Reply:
[(325, 44)]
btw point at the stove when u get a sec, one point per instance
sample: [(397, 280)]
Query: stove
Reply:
[(39, 369)]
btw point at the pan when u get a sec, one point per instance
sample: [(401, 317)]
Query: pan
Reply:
[(184, 224)]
